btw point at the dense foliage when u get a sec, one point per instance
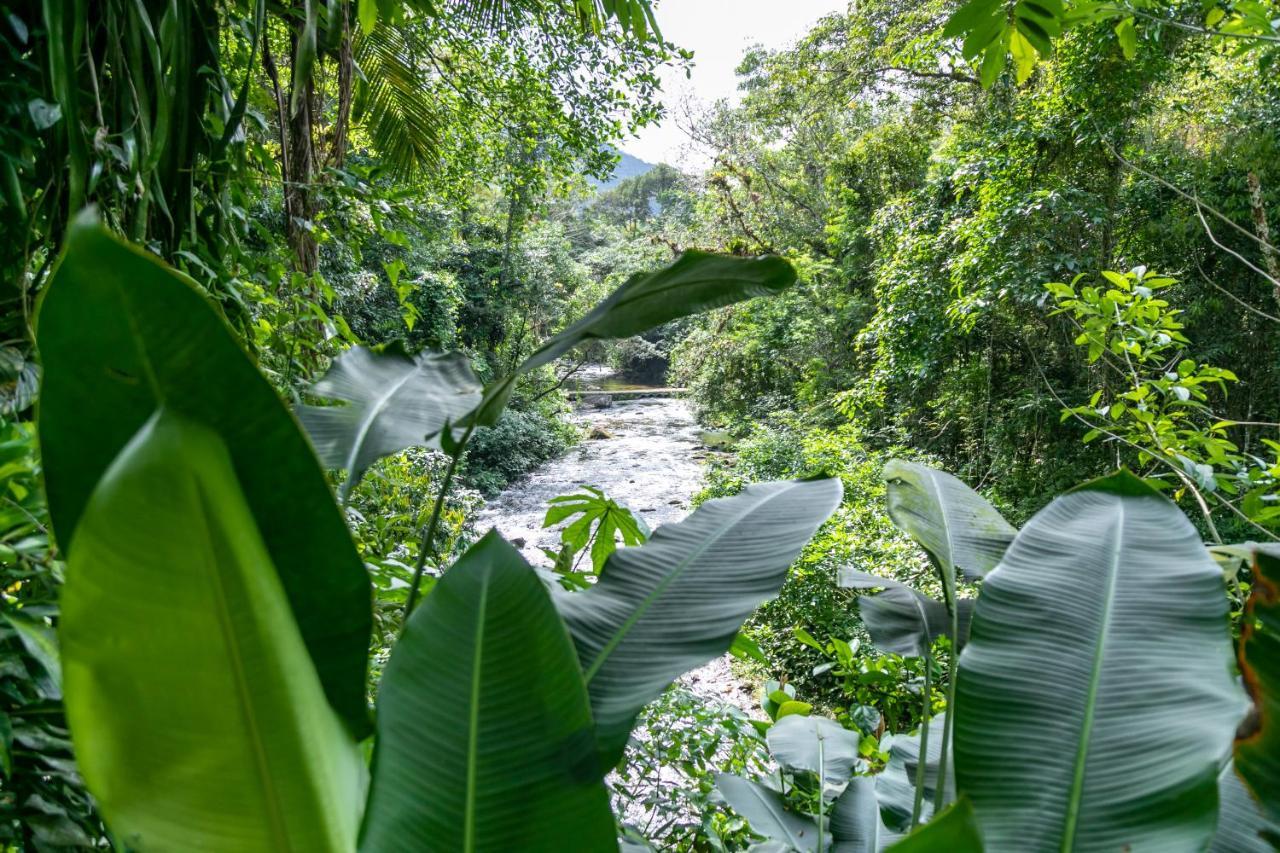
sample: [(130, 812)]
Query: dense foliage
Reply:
[(290, 289)]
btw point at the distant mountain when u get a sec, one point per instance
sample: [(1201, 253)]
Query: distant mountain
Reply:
[(628, 167)]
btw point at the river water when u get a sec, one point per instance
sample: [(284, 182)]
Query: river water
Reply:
[(646, 454), (652, 462)]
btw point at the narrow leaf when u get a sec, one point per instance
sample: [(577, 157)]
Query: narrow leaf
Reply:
[(678, 600)]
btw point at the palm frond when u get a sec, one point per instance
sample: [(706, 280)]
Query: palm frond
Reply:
[(394, 104)]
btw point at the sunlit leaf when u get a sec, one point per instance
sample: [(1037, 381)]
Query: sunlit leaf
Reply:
[(512, 764), (198, 719), (1110, 589)]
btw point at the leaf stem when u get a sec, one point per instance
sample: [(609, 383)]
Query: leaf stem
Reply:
[(940, 794), (428, 537), (923, 760), (822, 788)]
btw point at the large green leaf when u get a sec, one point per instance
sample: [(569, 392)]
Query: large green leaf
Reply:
[(677, 601), (903, 620), (484, 728), (393, 401), (767, 813), (695, 282), (1257, 752), (957, 526), (856, 824), (814, 745), (198, 719), (1099, 655), (1241, 823), (120, 334), (954, 830), (896, 784)]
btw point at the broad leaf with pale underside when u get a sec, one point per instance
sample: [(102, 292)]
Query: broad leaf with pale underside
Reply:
[(903, 620), (677, 601), (391, 401), (767, 813), (1109, 589)]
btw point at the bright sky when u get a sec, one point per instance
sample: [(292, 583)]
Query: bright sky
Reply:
[(718, 32)]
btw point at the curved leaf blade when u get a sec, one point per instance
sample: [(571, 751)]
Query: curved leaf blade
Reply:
[(197, 716), (120, 335), (957, 526), (677, 601), (695, 282), (1242, 827), (814, 745), (896, 784), (1111, 591), (856, 825), (767, 813), (903, 620), (394, 401), (514, 767)]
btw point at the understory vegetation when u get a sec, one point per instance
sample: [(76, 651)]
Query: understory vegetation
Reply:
[(978, 306)]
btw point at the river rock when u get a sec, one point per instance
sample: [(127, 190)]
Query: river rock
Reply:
[(597, 401), (598, 433)]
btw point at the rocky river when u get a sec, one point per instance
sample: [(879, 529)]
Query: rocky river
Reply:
[(648, 455)]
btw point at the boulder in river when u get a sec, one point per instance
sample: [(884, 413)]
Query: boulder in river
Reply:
[(597, 401), (598, 433)]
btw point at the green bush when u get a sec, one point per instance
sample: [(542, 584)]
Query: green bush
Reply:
[(518, 443)]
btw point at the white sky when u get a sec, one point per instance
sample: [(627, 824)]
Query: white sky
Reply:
[(718, 32)]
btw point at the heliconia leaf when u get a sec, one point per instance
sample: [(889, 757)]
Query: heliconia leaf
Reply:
[(197, 716), (957, 526), (394, 401), (954, 830), (814, 745), (678, 600), (120, 335), (1257, 749), (485, 738), (1242, 827), (695, 282), (895, 785), (903, 620), (767, 813), (856, 824), (1110, 589)]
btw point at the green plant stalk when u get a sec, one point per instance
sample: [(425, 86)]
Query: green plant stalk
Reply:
[(428, 537), (940, 795), (822, 785), (923, 761)]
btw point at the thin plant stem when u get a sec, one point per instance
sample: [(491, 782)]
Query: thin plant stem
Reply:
[(822, 786), (428, 537), (918, 805), (940, 795)]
